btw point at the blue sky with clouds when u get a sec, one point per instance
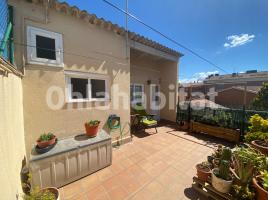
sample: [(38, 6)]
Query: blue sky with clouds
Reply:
[(232, 33)]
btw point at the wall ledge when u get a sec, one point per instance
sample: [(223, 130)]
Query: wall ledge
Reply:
[(6, 68)]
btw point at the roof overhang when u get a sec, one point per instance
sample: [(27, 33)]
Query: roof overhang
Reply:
[(152, 51), (74, 11)]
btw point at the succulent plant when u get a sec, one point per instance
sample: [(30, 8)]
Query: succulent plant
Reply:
[(46, 137), (224, 171), (226, 154), (93, 123)]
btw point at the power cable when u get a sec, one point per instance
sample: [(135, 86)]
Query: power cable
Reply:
[(165, 36)]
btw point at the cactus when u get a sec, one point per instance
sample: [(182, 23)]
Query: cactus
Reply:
[(226, 154), (224, 171)]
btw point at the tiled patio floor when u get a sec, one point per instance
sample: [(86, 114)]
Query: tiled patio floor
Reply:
[(155, 166)]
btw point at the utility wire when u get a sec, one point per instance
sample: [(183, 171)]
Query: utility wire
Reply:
[(163, 35), (70, 53)]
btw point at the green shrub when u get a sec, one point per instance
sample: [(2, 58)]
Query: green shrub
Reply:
[(258, 124), (249, 137)]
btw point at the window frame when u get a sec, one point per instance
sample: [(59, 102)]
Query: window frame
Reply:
[(143, 92), (88, 76), (32, 58)]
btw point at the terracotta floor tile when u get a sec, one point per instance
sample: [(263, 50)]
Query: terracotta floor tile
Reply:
[(79, 197), (157, 167), (104, 174), (111, 183), (143, 195), (116, 167), (97, 193), (126, 163), (117, 193), (72, 189), (90, 182)]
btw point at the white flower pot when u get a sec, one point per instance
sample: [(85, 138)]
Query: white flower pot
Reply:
[(219, 184)]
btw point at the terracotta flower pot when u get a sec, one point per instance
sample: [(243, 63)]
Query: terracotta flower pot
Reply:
[(262, 194), (262, 149), (54, 190), (44, 144), (202, 173), (91, 131), (220, 184)]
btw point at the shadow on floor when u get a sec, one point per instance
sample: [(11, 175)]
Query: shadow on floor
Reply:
[(143, 133), (190, 193), (196, 137)]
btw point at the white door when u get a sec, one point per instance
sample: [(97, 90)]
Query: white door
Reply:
[(155, 100)]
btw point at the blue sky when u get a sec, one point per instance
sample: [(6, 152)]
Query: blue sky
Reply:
[(232, 33)]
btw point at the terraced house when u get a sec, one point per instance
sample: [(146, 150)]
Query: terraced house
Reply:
[(72, 66)]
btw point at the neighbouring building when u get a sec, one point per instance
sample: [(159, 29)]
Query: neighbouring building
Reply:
[(235, 97), (253, 80), (242, 87)]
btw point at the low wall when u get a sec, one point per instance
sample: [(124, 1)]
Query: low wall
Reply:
[(12, 146)]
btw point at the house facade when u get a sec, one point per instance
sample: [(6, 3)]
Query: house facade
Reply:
[(78, 67)]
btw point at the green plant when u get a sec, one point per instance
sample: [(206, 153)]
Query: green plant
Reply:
[(243, 169), (224, 171), (93, 123), (226, 154), (243, 192), (46, 137), (37, 194), (249, 154), (258, 124), (264, 179), (249, 137)]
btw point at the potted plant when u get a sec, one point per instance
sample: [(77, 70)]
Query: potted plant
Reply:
[(221, 177), (203, 171), (49, 193), (261, 185), (45, 140), (261, 145), (92, 128), (258, 135)]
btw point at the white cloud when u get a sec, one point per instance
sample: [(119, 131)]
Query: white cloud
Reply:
[(238, 40), (198, 77)]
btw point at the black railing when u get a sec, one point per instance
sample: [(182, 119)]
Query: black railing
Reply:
[(227, 118)]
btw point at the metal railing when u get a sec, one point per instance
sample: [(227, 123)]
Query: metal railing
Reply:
[(6, 32), (227, 118)]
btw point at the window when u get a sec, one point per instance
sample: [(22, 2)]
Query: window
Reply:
[(44, 47), (79, 88), (97, 88), (137, 93), (86, 87)]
